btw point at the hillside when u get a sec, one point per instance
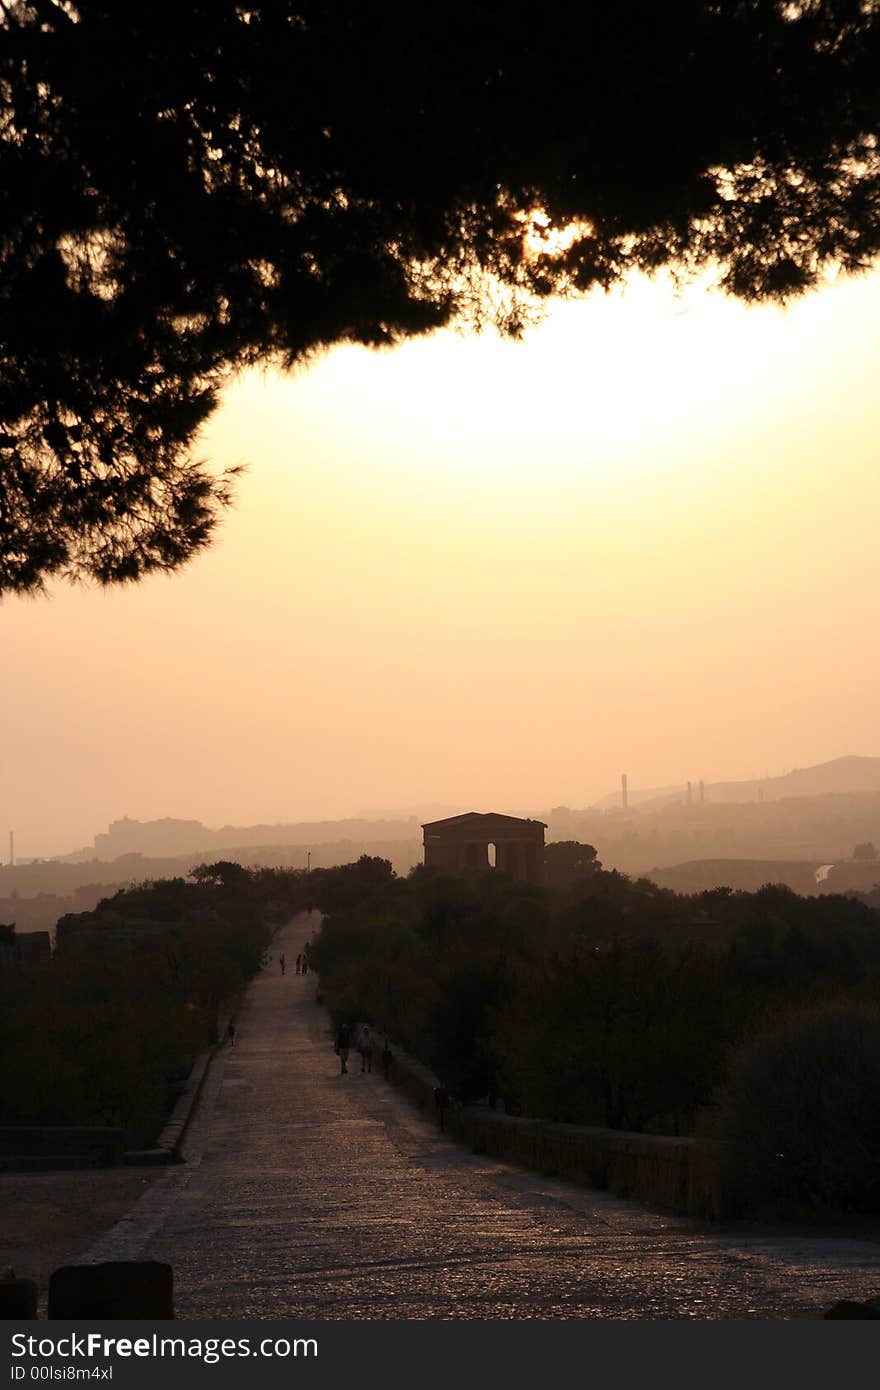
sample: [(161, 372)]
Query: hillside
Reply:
[(839, 776), (170, 837)]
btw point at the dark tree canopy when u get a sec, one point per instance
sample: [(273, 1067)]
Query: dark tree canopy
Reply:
[(189, 188), (567, 860)]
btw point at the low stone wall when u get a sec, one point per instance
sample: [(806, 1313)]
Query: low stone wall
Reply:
[(170, 1144), (676, 1174), (50, 1145), (410, 1075)]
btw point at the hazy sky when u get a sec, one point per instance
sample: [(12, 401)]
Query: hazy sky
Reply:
[(490, 576)]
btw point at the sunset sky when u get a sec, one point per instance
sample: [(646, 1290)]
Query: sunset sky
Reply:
[(487, 575)]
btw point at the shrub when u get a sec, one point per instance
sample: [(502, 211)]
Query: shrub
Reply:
[(801, 1112)]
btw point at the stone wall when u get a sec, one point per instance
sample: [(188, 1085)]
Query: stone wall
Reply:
[(52, 1145), (675, 1174)]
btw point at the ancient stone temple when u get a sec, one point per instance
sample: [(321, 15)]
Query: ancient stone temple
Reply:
[(463, 842)]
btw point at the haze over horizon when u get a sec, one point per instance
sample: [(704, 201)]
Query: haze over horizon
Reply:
[(647, 798), (473, 573)]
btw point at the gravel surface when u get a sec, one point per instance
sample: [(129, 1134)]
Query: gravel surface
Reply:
[(48, 1219)]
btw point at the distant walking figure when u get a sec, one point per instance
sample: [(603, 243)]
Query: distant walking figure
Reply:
[(305, 966), (299, 961), (365, 1047), (343, 1044), (387, 1059), (230, 1033), (282, 962)]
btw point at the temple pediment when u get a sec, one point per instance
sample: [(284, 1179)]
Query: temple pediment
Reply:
[(484, 823)]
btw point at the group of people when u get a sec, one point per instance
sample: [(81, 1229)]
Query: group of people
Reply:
[(362, 1039), (302, 962), (359, 1036)]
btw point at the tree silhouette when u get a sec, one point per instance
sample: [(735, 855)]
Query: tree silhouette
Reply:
[(187, 189), (567, 860)]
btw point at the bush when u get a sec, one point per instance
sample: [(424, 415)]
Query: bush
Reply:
[(801, 1112)]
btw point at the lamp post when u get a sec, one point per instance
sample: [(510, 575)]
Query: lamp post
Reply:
[(309, 862)]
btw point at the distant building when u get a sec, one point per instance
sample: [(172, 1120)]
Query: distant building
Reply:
[(462, 842)]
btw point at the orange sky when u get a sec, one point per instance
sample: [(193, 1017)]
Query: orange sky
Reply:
[(488, 575)]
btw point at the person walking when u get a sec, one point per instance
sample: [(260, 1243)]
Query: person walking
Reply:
[(282, 962), (343, 1045), (365, 1047), (230, 1034), (299, 961)]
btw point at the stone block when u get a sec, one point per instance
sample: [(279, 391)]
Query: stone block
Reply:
[(18, 1300), (848, 1308), (118, 1289)]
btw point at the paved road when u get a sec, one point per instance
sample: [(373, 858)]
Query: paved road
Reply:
[(312, 1195)]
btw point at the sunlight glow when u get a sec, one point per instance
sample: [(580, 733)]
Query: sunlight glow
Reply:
[(475, 570), (542, 239)]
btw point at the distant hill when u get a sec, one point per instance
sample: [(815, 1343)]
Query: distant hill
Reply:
[(643, 796), (171, 837), (34, 894), (840, 775), (748, 875), (804, 876)]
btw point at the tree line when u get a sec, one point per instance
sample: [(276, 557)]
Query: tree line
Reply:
[(107, 1032), (605, 1001)]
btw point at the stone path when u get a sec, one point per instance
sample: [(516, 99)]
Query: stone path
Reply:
[(314, 1195)]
